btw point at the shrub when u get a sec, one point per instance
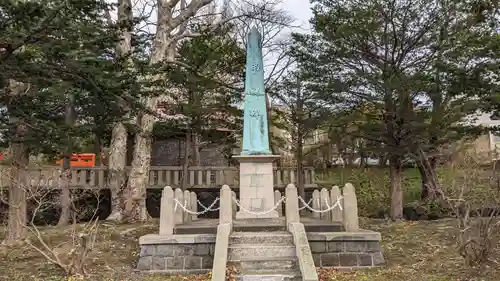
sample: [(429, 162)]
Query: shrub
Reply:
[(470, 191), (372, 187)]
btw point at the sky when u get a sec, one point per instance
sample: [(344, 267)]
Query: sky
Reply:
[(299, 9)]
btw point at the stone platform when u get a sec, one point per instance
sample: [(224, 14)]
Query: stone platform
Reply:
[(191, 249), (209, 226)]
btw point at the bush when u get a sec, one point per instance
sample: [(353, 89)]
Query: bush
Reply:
[(372, 187), (474, 192)]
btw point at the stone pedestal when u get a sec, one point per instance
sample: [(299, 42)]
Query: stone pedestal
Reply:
[(256, 185)]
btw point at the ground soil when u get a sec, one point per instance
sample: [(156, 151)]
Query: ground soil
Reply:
[(415, 251)]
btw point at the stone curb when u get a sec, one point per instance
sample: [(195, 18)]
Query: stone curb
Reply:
[(151, 239)]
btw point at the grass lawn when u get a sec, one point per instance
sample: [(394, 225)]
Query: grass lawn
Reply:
[(415, 251)]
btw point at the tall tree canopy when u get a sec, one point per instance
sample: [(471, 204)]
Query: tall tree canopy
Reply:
[(408, 62)]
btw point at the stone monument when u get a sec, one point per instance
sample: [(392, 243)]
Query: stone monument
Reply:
[(256, 159)]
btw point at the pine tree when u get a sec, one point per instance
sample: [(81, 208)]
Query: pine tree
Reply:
[(405, 61)]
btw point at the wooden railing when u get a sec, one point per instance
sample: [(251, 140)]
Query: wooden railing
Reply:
[(159, 177)]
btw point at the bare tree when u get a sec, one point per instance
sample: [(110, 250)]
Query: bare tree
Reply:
[(172, 19), (117, 177), (474, 197)]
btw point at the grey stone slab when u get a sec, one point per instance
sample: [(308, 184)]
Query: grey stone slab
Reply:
[(365, 260), (175, 263), (274, 277), (275, 238), (267, 264), (179, 271), (317, 260), (362, 235), (355, 246), (147, 250), (330, 259), (209, 226), (184, 250), (207, 262), (211, 248), (176, 239), (165, 251), (158, 263), (242, 252), (373, 246), (202, 249), (318, 247), (191, 262), (144, 263), (378, 259), (348, 259), (335, 247)]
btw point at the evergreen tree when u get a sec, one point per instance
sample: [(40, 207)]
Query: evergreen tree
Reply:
[(395, 56), (59, 74)]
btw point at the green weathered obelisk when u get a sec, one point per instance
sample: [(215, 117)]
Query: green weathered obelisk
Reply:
[(255, 123), (256, 161)]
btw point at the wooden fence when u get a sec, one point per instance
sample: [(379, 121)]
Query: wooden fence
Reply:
[(159, 177)]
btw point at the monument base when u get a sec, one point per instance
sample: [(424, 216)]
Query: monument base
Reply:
[(256, 186)]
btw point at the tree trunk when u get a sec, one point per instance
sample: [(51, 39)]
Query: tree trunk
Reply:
[(429, 180), (17, 219), (139, 175), (196, 150), (65, 195), (163, 48), (185, 162), (138, 180), (424, 192), (396, 178), (117, 175), (300, 171)]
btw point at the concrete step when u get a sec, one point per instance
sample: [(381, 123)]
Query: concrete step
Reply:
[(273, 263), (249, 251), (259, 227), (269, 275), (260, 238)]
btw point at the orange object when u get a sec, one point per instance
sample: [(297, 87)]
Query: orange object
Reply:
[(80, 160)]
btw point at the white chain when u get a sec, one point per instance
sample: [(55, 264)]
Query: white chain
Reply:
[(282, 199), (323, 211), (304, 206), (183, 207), (203, 206), (337, 203), (259, 213)]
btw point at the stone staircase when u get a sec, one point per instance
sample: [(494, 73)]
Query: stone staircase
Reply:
[(264, 256)]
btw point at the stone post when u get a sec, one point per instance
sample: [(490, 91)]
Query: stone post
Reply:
[(179, 196), (194, 205), (351, 220), (337, 212), (226, 207), (291, 205), (325, 204), (186, 217), (315, 203), (277, 198), (167, 222), (233, 203)]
